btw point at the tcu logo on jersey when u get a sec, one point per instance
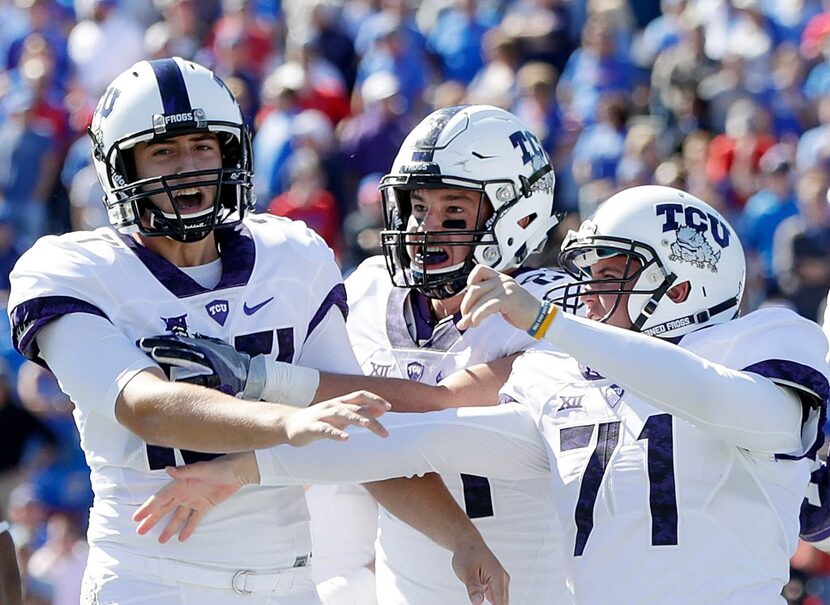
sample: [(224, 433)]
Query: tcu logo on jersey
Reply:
[(415, 370), (218, 311)]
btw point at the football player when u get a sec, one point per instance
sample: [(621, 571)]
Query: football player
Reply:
[(182, 257), (677, 436), (470, 185)]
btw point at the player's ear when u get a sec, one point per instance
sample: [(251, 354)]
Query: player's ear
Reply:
[(679, 292)]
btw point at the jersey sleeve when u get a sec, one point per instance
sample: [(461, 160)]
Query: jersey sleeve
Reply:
[(705, 381), (328, 348), (49, 281), (92, 360), (363, 278), (791, 352), (326, 290)]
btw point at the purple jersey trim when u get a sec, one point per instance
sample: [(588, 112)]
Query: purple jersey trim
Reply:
[(337, 296), (238, 254), (815, 520), (805, 376), (422, 315), (30, 316), (429, 334), (793, 372)]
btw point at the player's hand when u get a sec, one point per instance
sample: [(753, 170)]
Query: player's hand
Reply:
[(208, 362), (485, 578), (329, 419), (489, 292), (195, 489)]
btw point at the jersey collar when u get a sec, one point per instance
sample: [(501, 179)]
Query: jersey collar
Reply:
[(237, 252)]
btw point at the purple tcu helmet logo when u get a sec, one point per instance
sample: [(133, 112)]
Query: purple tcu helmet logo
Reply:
[(218, 311), (415, 370), (677, 216), (690, 225)]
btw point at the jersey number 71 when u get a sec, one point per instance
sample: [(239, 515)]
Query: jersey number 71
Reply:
[(662, 495)]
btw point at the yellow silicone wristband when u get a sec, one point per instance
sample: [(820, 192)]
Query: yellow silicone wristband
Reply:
[(543, 329)]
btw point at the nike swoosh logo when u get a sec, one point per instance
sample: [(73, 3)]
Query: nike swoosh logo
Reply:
[(251, 310)]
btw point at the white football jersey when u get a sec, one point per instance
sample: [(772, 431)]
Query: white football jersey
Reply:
[(279, 280), (649, 501), (410, 568)]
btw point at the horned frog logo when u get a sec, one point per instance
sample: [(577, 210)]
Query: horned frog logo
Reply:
[(692, 247)]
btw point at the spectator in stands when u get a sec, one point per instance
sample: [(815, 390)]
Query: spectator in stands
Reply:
[(26, 442), (801, 251), (763, 212), (28, 165), (374, 134), (308, 200), (102, 44), (593, 71)]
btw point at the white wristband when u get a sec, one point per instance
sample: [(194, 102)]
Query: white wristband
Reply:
[(4, 527), (289, 384)]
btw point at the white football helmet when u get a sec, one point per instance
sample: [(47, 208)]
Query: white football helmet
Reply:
[(159, 99), (479, 148), (676, 238)]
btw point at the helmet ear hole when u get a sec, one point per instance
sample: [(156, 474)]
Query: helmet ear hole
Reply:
[(526, 221), (678, 293)]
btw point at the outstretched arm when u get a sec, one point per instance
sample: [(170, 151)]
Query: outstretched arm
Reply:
[(98, 366), (741, 407), (477, 385), (500, 441), (218, 365)]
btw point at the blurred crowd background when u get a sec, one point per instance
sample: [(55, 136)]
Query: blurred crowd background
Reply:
[(727, 99)]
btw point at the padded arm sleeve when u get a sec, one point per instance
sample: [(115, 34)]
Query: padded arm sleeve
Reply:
[(499, 442), (742, 408)]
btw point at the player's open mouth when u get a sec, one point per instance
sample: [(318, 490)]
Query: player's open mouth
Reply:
[(189, 200), (431, 257)]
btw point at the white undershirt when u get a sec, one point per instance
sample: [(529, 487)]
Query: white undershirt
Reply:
[(207, 275)]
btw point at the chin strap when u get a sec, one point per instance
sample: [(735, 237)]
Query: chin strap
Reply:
[(688, 320), (651, 305)]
